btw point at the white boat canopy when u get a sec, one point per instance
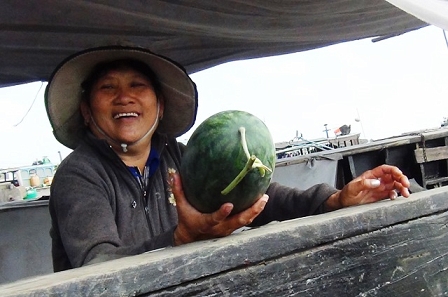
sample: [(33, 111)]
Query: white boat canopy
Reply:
[(37, 34)]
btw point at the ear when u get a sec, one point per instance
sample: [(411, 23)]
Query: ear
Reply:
[(161, 107), (85, 112)]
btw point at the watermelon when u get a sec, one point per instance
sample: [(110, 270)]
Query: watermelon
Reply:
[(230, 157)]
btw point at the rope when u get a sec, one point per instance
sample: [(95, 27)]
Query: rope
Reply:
[(32, 103)]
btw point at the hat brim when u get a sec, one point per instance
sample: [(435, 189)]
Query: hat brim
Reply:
[(63, 92)]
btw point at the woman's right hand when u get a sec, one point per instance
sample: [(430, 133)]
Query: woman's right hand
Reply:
[(194, 225)]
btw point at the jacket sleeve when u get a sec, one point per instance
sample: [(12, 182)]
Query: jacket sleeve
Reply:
[(287, 203), (163, 240)]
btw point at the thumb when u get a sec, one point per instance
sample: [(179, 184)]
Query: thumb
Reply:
[(364, 184), (176, 187), (176, 183), (370, 183)]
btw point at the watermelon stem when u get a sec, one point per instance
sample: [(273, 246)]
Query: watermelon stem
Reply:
[(240, 176), (252, 162), (257, 164)]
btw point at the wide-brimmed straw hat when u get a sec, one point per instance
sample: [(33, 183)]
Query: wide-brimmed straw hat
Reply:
[(63, 92)]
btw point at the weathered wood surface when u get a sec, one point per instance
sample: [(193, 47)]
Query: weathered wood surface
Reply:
[(373, 147), (407, 152), (390, 248), (404, 260), (431, 154)]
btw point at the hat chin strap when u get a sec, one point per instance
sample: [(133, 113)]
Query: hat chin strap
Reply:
[(124, 146)]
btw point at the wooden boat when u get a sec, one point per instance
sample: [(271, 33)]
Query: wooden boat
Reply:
[(390, 248)]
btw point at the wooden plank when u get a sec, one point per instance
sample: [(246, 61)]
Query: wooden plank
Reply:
[(377, 145), (432, 154), (436, 180), (23, 204), (352, 167), (274, 254), (409, 259)]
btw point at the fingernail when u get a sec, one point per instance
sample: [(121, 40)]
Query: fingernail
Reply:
[(375, 182), (228, 208), (407, 193), (265, 198), (394, 195)]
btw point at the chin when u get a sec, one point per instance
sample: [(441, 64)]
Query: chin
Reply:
[(130, 140)]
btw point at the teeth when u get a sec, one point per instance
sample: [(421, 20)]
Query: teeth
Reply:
[(127, 114)]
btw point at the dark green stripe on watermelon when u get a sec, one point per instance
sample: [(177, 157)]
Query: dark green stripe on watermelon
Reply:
[(214, 157)]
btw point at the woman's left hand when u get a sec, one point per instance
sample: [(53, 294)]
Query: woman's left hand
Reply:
[(376, 184)]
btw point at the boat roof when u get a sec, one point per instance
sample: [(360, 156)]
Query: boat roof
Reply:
[(37, 34)]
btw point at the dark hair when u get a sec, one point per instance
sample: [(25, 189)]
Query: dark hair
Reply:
[(103, 68)]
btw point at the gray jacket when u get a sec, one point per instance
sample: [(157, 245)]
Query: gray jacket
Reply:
[(98, 210)]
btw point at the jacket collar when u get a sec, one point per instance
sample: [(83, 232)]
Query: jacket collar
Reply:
[(158, 142)]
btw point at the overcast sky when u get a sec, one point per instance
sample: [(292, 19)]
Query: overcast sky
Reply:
[(393, 86)]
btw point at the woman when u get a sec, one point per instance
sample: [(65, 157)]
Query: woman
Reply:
[(118, 193)]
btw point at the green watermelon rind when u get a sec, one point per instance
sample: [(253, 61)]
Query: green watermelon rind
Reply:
[(214, 156)]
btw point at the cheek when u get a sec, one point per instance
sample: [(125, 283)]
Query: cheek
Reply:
[(150, 102), (98, 103), (99, 113)]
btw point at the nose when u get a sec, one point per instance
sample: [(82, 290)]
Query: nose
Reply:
[(123, 96)]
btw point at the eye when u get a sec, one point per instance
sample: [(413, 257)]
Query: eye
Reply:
[(138, 83), (106, 87)]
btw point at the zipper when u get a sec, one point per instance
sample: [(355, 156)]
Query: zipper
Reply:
[(112, 155), (144, 183), (140, 184)]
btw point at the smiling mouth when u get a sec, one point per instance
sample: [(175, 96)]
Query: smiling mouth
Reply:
[(125, 115)]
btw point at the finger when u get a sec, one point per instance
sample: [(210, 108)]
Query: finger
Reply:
[(259, 205), (176, 187), (372, 183), (402, 189), (393, 194), (377, 172), (384, 170), (405, 192), (247, 216), (398, 176), (220, 215), (405, 181), (390, 175)]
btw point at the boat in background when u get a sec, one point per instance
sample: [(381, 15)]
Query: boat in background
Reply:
[(300, 146), (27, 182)]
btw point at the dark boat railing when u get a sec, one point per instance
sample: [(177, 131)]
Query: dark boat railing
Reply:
[(389, 248)]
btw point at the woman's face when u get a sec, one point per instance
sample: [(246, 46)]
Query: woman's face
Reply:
[(123, 104)]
